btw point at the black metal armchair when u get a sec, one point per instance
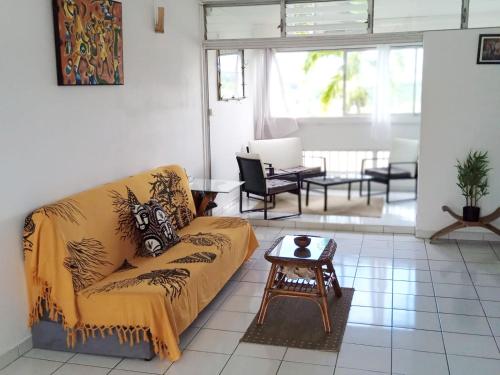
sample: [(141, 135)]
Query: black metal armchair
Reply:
[(402, 165), (257, 183), (393, 171)]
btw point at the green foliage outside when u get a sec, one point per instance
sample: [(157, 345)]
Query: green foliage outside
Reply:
[(357, 98)]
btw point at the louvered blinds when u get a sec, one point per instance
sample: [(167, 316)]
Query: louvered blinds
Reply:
[(484, 13), (411, 15), (240, 22), (327, 18), (386, 21)]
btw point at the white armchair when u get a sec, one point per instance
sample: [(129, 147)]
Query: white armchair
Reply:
[(284, 155)]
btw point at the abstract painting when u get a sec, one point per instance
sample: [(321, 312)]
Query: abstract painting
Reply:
[(89, 42)]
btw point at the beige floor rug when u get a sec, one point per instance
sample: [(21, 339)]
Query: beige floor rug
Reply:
[(297, 323), (337, 205)]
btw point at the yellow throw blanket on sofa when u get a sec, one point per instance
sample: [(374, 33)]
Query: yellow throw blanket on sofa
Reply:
[(82, 263)]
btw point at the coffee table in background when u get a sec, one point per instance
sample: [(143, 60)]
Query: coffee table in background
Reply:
[(328, 181), (318, 257)]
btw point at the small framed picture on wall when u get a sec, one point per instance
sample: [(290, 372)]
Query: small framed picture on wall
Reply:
[(489, 49)]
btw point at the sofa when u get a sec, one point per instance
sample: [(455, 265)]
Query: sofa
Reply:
[(284, 155), (91, 289)]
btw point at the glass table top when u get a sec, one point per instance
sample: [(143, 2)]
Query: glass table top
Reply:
[(287, 249), (339, 178), (213, 186)]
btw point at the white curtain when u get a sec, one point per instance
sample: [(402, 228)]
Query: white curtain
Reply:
[(381, 115), (268, 72)]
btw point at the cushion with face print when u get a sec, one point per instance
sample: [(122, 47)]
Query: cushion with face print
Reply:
[(158, 233)]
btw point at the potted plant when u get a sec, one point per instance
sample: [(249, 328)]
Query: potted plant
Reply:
[(473, 181)]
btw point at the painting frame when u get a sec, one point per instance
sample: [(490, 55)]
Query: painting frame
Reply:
[(88, 38), (491, 42)]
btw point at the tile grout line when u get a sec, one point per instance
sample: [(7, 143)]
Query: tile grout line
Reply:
[(57, 369), (438, 315), (234, 350), (478, 296), (392, 308), (218, 308), (354, 280)]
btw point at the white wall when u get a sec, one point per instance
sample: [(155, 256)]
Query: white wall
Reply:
[(60, 140), (460, 112), (231, 122)]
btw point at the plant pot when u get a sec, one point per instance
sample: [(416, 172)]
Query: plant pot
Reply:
[(471, 213)]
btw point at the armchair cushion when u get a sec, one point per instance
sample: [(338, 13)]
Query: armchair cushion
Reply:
[(383, 173), (276, 186), (282, 153), (304, 170), (404, 150)]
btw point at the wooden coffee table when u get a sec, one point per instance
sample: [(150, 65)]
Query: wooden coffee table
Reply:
[(318, 258)]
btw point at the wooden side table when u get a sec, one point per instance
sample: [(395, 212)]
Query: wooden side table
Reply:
[(285, 253), (484, 222)]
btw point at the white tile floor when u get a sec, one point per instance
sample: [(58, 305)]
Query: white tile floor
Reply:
[(400, 213), (419, 308)]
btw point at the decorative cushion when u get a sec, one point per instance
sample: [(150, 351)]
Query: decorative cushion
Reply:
[(157, 232), (282, 153)]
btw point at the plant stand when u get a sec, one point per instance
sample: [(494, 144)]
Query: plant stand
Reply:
[(484, 222)]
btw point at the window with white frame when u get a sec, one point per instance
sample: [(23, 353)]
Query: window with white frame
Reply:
[(339, 83), (241, 22), (246, 19), (230, 75), (347, 161), (484, 13), (410, 15), (327, 17)]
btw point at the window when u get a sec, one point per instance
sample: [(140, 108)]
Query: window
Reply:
[(361, 73), (405, 66), (410, 15), (346, 161), (230, 75), (301, 18), (337, 83), (484, 13), (233, 22), (298, 84), (327, 17)]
